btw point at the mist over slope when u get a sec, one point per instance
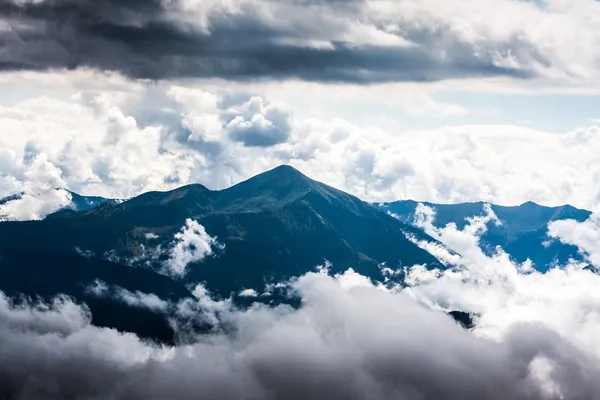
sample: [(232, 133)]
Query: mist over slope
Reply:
[(351, 337), (522, 231)]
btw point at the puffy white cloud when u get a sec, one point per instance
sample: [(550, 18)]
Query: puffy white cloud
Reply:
[(499, 164), (201, 114), (501, 294), (59, 316), (41, 191), (260, 125), (192, 244), (106, 150), (254, 122), (248, 293), (98, 288), (464, 242), (345, 341), (144, 300), (91, 142), (585, 235)]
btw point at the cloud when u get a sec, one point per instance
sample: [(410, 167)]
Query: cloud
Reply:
[(192, 244), (211, 120), (464, 242), (350, 41), (502, 294), (42, 192), (144, 300), (260, 125), (248, 293), (61, 316), (501, 164), (585, 235), (133, 299), (100, 147), (460, 249), (345, 341), (534, 338), (110, 157)]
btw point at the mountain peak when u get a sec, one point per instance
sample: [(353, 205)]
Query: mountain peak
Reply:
[(281, 177), (275, 187), (286, 171), (530, 204), (189, 192)]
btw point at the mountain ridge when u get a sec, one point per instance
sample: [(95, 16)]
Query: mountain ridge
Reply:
[(284, 171), (274, 226), (523, 232)]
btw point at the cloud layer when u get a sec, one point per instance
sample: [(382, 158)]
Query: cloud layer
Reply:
[(388, 346), (352, 41), (42, 191), (115, 148), (534, 338)]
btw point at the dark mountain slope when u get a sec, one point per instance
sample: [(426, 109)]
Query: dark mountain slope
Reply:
[(47, 274), (523, 233), (276, 225), (84, 203)]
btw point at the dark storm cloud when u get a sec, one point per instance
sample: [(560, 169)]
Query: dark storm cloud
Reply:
[(150, 39), (361, 343)]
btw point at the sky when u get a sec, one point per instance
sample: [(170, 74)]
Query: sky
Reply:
[(469, 100)]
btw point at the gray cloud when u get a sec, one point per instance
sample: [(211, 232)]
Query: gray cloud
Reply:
[(388, 346), (259, 125), (314, 40)]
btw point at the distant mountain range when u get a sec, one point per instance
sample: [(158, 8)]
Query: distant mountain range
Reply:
[(272, 227), (522, 234)]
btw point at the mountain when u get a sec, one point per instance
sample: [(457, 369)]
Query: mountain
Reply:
[(84, 203), (523, 233), (45, 274), (274, 226), (78, 202)]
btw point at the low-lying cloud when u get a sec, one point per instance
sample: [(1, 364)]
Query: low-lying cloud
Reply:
[(534, 338), (192, 244), (357, 341), (133, 299), (585, 235)]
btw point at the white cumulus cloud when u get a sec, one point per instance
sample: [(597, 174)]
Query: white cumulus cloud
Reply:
[(585, 235), (192, 244)]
